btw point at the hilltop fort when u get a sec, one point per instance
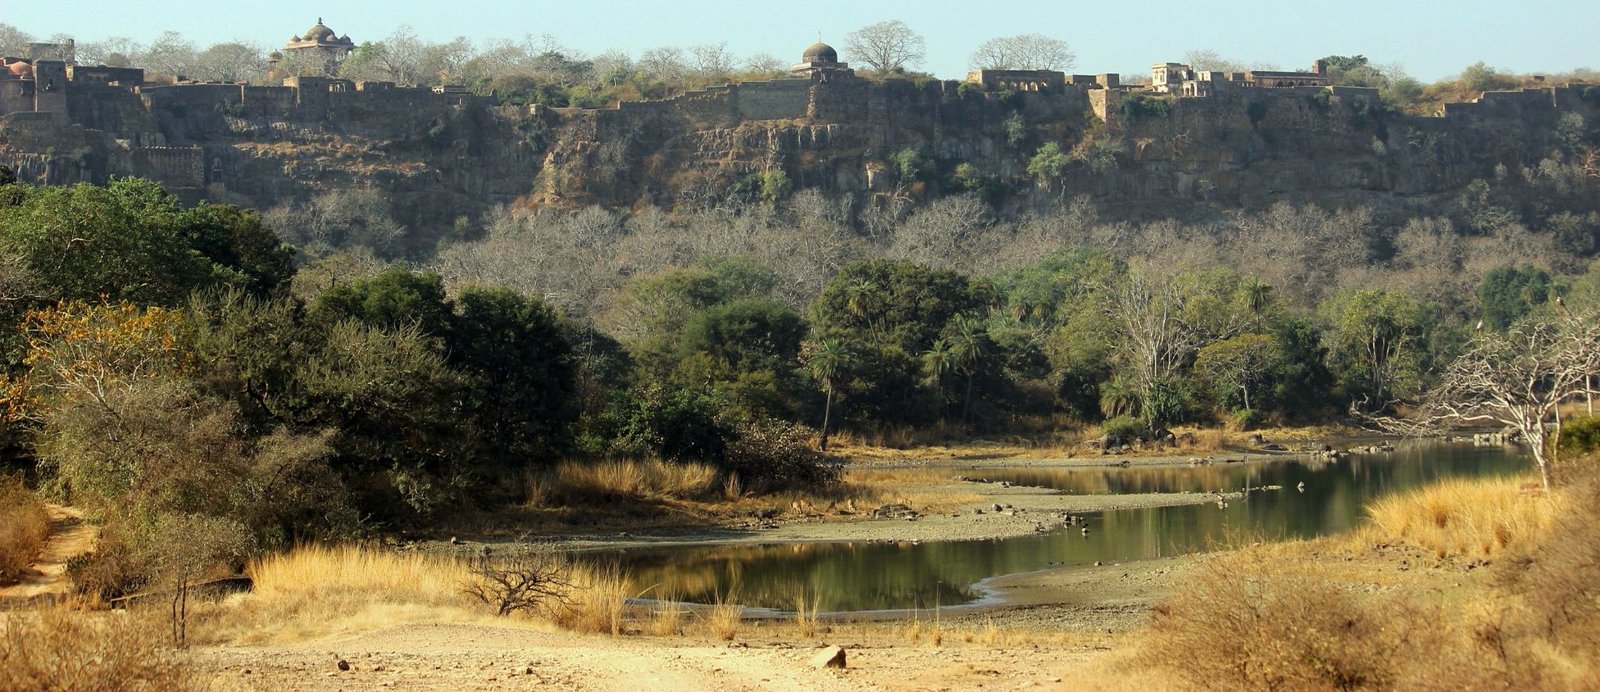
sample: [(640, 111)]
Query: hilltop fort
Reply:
[(1223, 138)]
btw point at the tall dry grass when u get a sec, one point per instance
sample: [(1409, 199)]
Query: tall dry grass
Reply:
[(644, 479), (59, 649), (724, 618), (24, 527), (318, 589), (597, 602), (1466, 517), (1334, 613), (314, 590)]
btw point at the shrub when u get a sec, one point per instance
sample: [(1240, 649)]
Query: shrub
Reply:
[(771, 454), (1246, 625), (56, 649), (1246, 419), (1123, 430), (24, 525), (1140, 107), (1580, 437), (1560, 583)]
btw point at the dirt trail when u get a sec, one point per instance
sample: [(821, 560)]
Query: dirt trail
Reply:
[(70, 536), (466, 657), (481, 657)]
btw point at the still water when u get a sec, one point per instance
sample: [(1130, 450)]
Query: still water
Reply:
[(863, 576)]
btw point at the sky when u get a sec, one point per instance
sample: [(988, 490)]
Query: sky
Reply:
[(1431, 40)]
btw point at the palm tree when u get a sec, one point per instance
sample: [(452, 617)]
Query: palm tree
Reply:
[(1258, 293), (828, 360), (968, 347)]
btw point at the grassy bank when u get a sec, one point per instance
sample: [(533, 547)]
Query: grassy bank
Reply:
[(1466, 584), (24, 526)]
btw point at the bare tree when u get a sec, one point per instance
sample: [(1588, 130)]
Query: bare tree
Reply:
[(116, 51), (1024, 52), (666, 64), (230, 62), (13, 41), (712, 60), (889, 46), (1161, 321), (169, 55), (1517, 379), (764, 63), (523, 582), (1205, 59)]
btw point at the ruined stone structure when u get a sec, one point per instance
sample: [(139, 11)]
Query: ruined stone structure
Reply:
[(317, 52), (444, 154), (1178, 78)]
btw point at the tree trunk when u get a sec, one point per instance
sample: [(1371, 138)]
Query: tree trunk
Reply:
[(966, 403), (827, 414), (1246, 397)]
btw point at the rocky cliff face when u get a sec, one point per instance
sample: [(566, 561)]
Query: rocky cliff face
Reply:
[(442, 157)]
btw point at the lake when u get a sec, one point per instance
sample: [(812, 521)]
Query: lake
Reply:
[(865, 576)]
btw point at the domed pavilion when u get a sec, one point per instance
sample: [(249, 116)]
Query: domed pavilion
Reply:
[(316, 52), (820, 59)]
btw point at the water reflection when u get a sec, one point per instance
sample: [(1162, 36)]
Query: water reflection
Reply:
[(868, 576)]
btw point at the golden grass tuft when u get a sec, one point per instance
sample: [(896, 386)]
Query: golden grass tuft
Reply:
[(667, 619), (598, 603), (24, 527), (647, 479), (805, 615), (725, 617), (58, 649), (1465, 517)]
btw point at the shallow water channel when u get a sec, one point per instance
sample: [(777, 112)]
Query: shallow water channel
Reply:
[(864, 576)]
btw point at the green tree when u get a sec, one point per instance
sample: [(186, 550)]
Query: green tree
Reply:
[(827, 361), (888, 314), (521, 381), (748, 353), (1242, 363), (129, 240), (393, 299), (1509, 294), (1377, 341), (1049, 165)]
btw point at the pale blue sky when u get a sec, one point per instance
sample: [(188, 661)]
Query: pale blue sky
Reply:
[(1431, 39)]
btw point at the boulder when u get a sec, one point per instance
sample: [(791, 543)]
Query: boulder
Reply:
[(830, 657)]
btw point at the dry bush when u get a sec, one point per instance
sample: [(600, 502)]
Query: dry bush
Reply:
[(24, 526), (650, 479), (1465, 517), (57, 649), (520, 582), (1557, 641), (1245, 624)]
